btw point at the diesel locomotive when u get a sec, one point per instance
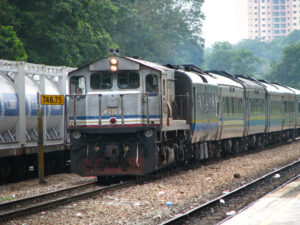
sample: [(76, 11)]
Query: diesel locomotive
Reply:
[(128, 116)]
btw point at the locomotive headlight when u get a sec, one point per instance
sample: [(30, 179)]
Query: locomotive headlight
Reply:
[(113, 64), (148, 133), (76, 134), (113, 61), (113, 68)]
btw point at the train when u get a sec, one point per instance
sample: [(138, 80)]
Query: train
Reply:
[(20, 82), (131, 117)]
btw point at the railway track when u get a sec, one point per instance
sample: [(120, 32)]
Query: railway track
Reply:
[(38, 203), (226, 205), (22, 207)]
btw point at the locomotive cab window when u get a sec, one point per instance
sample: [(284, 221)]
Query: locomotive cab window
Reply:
[(151, 83), (77, 85), (128, 80), (102, 80)]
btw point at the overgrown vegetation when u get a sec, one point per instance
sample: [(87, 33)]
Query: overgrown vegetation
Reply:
[(77, 32), (277, 61)]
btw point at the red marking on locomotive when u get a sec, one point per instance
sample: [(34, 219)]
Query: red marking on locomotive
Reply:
[(94, 167)]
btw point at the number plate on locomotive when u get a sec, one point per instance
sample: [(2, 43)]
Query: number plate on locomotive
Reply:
[(52, 100), (112, 111)]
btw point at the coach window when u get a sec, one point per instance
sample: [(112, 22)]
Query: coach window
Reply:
[(77, 85), (128, 80), (151, 83), (101, 80)]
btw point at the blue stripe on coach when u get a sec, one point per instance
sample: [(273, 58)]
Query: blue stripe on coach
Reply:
[(11, 104)]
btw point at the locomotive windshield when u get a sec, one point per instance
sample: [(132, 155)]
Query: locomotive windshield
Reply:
[(128, 80), (125, 80), (101, 80)]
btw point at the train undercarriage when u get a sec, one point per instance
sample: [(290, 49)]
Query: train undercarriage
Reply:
[(146, 151), (15, 167)]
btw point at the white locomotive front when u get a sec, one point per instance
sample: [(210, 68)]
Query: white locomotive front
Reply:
[(115, 98), (119, 108)]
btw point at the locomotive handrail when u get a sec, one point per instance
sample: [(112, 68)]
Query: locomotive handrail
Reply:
[(100, 109), (183, 102), (122, 108), (147, 105), (75, 116), (75, 97)]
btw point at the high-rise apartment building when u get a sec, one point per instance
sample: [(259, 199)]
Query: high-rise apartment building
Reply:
[(268, 19)]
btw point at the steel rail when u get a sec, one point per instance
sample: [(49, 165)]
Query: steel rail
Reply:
[(37, 203), (31, 198), (276, 189), (216, 202)]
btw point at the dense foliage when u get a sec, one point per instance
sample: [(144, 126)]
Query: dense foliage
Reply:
[(11, 47), (61, 32), (166, 31), (276, 61), (287, 70), (76, 32), (235, 61), (271, 51)]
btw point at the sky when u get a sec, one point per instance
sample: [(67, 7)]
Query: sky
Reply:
[(226, 20)]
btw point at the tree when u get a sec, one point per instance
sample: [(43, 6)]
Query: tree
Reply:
[(235, 61), (76, 32), (160, 30), (286, 71), (11, 48), (61, 32), (269, 52)]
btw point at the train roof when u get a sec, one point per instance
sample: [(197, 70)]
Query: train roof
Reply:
[(198, 77), (296, 91), (251, 83), (124, 63), (271, 88), (224, 80), (152, 65), (283, 89)]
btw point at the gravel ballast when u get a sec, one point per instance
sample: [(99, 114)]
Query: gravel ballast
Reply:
[(153, 201)]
